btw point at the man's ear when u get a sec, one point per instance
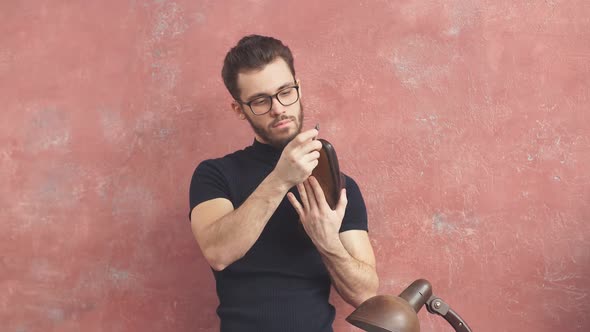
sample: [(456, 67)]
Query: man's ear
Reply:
[(237, 108), (299, 84)]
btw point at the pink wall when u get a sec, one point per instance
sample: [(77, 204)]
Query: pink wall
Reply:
[(465, 122)]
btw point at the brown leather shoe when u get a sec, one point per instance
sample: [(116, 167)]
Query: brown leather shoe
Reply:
[(328, 173)]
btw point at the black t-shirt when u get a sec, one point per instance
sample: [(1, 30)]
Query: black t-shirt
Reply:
[(281, 284)]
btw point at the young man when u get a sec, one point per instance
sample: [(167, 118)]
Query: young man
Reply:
[(260, 219)]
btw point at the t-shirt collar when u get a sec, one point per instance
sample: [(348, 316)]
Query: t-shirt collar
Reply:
[(266, 150)]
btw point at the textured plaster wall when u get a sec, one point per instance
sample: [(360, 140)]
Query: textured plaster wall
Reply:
[(465, 122)]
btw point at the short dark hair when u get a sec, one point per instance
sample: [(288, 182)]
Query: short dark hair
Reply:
[(252, 52)]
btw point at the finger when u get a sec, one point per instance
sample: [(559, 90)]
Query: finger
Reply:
[(342, 202), (314, 155), (314, 145), (318, 192), (303, 196), (311, 200), (305, 136), (313, 164), (309, 134), (298, 148), (296, 205)]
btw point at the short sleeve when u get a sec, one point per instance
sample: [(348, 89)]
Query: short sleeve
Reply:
[(208, 182), (355, 216)]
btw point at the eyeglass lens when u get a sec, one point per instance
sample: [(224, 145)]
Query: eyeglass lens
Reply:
[(286, 97)]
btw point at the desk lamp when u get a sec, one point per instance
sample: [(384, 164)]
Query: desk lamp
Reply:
[(386, 313)]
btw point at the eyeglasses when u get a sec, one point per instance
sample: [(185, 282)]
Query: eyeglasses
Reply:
[(262, 105)]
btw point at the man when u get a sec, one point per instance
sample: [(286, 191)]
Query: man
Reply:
[(260, 219)]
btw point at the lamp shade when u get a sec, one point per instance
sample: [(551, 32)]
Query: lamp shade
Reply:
[(386, 313)]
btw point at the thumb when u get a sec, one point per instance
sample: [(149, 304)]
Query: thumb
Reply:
[(342, 202)]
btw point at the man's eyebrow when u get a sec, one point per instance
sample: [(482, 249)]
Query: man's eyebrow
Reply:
[(262, 94)]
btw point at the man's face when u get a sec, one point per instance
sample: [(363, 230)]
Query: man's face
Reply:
[(279, 126)]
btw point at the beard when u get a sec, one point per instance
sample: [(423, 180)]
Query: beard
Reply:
[(277, 142)]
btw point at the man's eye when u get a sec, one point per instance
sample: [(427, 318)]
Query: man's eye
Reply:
[(286, 92), (260, 101)]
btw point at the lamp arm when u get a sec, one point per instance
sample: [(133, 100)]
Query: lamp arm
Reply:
[(436, 305)]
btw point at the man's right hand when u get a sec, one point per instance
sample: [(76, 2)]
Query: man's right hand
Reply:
[(299, 158)]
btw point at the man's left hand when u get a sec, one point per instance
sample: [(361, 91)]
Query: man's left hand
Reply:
[(320, 222)]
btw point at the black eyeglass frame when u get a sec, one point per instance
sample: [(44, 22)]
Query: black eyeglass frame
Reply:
[(271, 97)]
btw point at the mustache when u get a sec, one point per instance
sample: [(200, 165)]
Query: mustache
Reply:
[(283, 117)]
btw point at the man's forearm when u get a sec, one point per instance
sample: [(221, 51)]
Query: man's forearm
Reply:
[(354, 280), (229, 238)]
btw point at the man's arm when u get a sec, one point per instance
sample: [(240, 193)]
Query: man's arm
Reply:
[(348, 256), (352, 267), (224, 234)]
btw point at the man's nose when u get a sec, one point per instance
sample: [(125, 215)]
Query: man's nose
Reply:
[(276, 108)]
